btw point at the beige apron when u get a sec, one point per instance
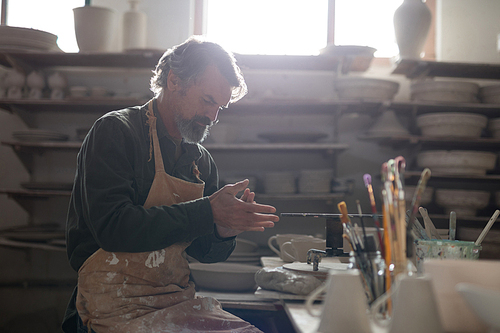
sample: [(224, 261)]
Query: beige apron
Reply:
[(150, 291)]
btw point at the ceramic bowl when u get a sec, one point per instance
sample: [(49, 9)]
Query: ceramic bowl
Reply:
[(354, 58), (457, 162), (463, 202), (444, 91), (224, 276), (280, 182), (494, 128), (455, 124), (456, 315), (315, 181), (484, 301), (490, 94), (360, 88), (425, 199)]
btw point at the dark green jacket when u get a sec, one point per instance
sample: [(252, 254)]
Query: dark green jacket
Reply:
[(113, 178)]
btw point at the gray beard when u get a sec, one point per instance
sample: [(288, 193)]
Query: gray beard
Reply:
[(191, 131)]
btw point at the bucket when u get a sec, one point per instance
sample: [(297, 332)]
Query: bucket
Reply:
[(444, 249)]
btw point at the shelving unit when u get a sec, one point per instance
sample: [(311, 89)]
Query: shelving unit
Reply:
[(416, 69), (31, 153)]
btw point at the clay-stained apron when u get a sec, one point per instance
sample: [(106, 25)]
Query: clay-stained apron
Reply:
[(150, 291)]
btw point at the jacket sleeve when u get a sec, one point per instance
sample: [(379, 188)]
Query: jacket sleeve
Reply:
[(106, 192), (211, 247)]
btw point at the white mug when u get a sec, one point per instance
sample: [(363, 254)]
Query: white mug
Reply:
[(297, 248), (280, 239)]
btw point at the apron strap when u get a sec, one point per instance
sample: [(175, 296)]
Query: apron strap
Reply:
[(153, 139)]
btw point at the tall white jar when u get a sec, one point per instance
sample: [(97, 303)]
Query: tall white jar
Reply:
[(412, 21), (134, 27)]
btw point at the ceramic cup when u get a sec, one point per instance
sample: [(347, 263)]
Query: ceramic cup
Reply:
[(279, 239), (297, 248), (345, 309), (415, 307)]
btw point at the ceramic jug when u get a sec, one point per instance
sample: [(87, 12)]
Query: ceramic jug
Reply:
[(412, 21)]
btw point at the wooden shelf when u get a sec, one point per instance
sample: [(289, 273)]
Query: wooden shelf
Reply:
[(419, 68), (436, 142), (92, 105), (149, 59), (25, 197), (328, 147), (486, 178)]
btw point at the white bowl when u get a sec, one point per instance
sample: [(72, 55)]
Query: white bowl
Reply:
[(280, 182), (463, 202), (360, 88), (456, 124), (456, 315), (444, 91), (484, 301), (224, 276), (315, 181), (457, 162)]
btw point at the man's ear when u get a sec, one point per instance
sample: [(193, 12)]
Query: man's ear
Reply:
[(173, 81)]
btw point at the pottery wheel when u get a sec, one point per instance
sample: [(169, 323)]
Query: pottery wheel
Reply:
[(321, 273)]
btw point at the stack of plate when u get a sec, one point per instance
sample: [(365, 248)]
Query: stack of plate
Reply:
[(445, 91), (456, 124), (463, 202), (315, 181), (280, 182), (36, 135), (24, 39), (457, 162)]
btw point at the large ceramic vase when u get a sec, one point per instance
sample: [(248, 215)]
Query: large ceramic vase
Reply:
[(94, 28), (411, 25)]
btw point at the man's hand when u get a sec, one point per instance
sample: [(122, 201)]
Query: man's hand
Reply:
[(232, 216)]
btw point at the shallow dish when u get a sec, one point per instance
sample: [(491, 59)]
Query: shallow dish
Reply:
[(224, 276), (463, 202), (455, 124), (484, 301)]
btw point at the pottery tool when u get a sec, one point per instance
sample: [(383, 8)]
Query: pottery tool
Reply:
[(452, 230), (367, 178), (415, 202), (487, 228), (430, 229), (360, 212), (400, 213), (416, 227)]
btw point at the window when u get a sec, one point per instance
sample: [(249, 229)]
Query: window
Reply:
[(263, 27), (54, 16), (300, 27)]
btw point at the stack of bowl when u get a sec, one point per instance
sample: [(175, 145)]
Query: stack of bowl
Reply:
[(490, 94), (444, 91), (462, 202), (361, 88), (452, 124), (315, 181), (457, 162)]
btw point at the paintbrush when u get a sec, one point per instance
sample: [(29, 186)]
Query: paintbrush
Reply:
[(367, 178)]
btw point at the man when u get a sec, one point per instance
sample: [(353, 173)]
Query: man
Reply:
[(146, 193)]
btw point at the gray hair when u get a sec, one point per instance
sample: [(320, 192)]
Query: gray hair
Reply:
[(190, 59)]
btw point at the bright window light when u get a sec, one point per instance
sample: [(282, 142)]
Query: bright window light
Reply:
[(367, 23), (54, 16), (299, 27), (293, 27)]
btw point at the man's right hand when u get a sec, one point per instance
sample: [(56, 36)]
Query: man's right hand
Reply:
[(233, 216)]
